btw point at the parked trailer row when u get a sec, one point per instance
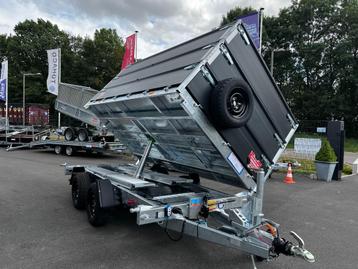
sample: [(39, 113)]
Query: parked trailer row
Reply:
[(70, 147)]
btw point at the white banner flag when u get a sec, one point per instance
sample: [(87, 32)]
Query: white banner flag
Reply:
[(54, 65)]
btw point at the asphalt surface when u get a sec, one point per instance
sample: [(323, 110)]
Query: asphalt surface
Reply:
[(39, 228)]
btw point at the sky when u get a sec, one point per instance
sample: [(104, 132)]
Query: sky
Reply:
[(161, 23)]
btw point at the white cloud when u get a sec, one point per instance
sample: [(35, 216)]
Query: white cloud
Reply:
[(161, 23)]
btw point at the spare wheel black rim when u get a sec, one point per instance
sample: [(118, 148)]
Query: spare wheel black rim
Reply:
[(238, 104)]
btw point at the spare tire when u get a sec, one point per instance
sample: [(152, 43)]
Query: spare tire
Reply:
[(231, 103), (69, 134)]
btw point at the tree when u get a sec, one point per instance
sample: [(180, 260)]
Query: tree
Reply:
[(84, 61), (232, 14), (102, 57), (317, 70), (27, 54)]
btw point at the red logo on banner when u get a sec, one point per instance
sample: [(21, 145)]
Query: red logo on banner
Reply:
[(253, 162), (128, 57)]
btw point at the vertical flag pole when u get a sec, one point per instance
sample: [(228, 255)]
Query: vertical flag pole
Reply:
[(7, 99), (59, 82), (261, 20), (136, 45)]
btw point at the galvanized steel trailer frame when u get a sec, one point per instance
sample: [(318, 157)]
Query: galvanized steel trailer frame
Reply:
[(156, 109), (69, 147), (243, 225)]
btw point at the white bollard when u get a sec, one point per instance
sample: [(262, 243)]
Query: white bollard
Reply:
[(355, 167)]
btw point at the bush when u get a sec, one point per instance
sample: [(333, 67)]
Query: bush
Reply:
[(326, 153), (347, 169)]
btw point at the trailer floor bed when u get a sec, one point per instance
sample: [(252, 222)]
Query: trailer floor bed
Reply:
[(64, 145)]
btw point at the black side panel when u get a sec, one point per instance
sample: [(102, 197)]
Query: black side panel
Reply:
[(253, 69), (258, 131), (256, 135)]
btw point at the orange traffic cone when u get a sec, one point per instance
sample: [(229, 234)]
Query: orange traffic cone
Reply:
[(289, 177)]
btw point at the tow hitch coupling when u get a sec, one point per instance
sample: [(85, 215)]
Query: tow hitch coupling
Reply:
[(283, 246)]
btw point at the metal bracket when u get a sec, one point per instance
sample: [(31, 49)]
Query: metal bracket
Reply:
[(189, 67), (292, 122), (206, 74), (226, 54), (266, 161), (207, 47), (279, 140), (144, 158), (243, 34)]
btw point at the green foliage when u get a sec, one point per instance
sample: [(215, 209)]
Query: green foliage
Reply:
[(85, 61), (307, 166), (234, 13), (350, 144), (317, 70), (347, 169), (326, 153)]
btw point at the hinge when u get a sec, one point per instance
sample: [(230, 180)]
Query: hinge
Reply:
[(189, 67), (292, 122), (243, 34), (266, 161), (226, 54), (279, 140), (207, 75), (207, 47)]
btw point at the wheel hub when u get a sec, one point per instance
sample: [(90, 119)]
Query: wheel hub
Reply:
[(238, 104)]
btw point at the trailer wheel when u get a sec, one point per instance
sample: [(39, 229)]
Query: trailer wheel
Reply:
[(69, 134), (80, 185), (83, 135), (58, 150), (97, 216), (231, 103), (69, 151)]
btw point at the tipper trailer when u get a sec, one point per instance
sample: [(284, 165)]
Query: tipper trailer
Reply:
[(209, 108), (70, 101)]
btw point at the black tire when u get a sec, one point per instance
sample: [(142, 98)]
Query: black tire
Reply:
[(69, 150), (82, 135), (80, 185), (97, 216), (231, 103), (69, 134), (58, 149)]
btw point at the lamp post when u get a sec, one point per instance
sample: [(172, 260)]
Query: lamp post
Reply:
[(23, 93)]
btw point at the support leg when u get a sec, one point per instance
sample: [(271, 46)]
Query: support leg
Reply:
[(143, 159)]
